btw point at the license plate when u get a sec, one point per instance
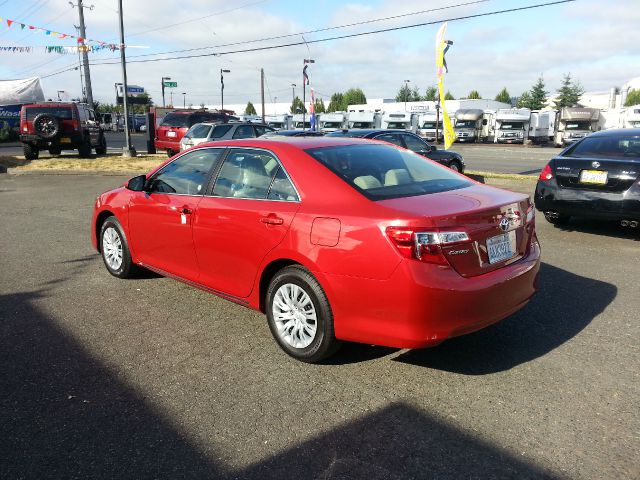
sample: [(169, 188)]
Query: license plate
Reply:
[(593, 176), (65, 140), (501, 247), (171, 134)]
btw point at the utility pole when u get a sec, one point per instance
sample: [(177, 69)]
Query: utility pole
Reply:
[(127, 150), (262, 91), (85, 55)]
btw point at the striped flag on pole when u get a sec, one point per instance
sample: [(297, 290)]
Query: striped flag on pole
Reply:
[(305, 75), (312, 111)]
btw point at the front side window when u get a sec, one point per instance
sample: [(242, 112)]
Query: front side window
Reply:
[(244, 131), (381, 171), (261, 130), (391, 138), (415, 144), (248, 173), (188, 174)]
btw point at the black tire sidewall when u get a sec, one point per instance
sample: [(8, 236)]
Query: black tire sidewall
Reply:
[(101, 148), (84, 149), (324, 343), (30, 152), (125, 269)]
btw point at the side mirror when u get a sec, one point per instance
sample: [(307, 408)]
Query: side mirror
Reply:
[(137, 184)]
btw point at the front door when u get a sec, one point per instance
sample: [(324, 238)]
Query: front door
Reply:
[(248, 214), (160, 219)]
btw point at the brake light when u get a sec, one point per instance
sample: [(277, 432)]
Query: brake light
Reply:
[(425, 246), (75, 124), (546, 174)]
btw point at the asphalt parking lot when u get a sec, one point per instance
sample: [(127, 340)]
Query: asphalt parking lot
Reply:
[(150, 378)]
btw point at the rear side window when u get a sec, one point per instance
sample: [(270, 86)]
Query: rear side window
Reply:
[(175, 120), (198, 131), (382, 171), (246, 173), (61, 112), (623, 146), (220, 131), (244, 131)]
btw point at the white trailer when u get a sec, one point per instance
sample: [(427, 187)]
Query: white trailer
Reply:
[(542, 126), (512, 125), (330, 122), (398, 120), (363, 119), (632, 117), (279, 122), (575, 123), (473, 125), (297, 122)]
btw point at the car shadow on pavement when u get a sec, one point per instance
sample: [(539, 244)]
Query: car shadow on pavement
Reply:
[(63, 414), (595, 227), (564, 305)]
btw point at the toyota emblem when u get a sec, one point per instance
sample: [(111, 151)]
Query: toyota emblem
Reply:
[(504, 224), (595, 164)]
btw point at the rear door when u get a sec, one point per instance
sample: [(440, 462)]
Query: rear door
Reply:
[(248, 213), (160, 219)]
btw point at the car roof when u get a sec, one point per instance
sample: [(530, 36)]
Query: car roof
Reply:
[(300, 143), (362, 132), (615, 132)]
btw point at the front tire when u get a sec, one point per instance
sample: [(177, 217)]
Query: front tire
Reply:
[(30, 151), (84, 149), (115, 250), (101, 149), (455, 166), (299, 315), (557, 220)]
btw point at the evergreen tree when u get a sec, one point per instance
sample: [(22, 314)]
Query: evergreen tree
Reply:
[(633, 98), (569, 93), (538, 95), (431, 94), (297, 106), (320, 106), (525, 101), (250, 109), (404, 94), (474, 95), (503, 96), (448, 96), (336, 103)]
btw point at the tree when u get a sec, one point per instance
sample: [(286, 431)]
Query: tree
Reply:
[(336, 103), (431, 94), (524, 101), (569, 93), (250, 109), (448, 96), (353, 96), (538, 95), (319, 106), (474, 95), (503, 96), (404, 94), (633, 98), (297, 106)]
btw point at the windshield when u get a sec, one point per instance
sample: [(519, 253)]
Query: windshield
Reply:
[(400, 125), (275, 124), (306, 125), (198, 131), (332, 124), (431, 125), (578, 125), (382, 171), (175, 120), (350, 133), (60, 112), (465, 124), (361, 125), (512, 126), (623, 146), (635, 124)]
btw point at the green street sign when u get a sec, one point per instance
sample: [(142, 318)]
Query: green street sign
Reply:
[(171, 84)]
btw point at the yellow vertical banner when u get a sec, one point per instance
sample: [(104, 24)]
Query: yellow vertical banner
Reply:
[(442, 46)]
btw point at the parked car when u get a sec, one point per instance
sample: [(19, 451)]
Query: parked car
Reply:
[(175, 124), (596, 177), (57, 126), (207, 132), (410, 141), (293, 133), (335, 239)]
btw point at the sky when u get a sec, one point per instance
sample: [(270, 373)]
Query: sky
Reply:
[(597, 42)]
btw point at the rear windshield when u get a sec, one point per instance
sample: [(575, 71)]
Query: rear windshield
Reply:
[(623, 146), (175, 120), (381, 172), (60, 112), (198, 131)]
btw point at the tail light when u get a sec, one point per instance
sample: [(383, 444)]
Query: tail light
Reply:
[(423, 245), (546, 174), (75, 124)]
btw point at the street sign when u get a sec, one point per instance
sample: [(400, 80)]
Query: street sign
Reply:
[(134, 89), (171, 84)]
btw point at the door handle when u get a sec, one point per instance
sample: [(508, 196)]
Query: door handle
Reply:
[(186, 210), (272, 219)]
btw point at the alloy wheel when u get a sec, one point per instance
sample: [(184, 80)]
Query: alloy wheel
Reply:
[(112, 248), (295, 315)]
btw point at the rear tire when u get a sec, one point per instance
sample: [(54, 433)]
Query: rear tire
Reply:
[(559, 220), (55, 151), (299, 315), (101, 149), (31, 152), (170, 153), (115, 250)]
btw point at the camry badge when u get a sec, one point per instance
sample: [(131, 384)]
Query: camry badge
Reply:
[(504, 224), (595, 164)]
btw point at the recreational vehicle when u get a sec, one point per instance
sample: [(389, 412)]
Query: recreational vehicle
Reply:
[(575, 123), (512, 125), (279, 122), (398, 120), (473, 125), (364, 120), (330, 122)]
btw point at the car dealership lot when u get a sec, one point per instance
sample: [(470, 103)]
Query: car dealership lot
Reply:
[(151, 378)]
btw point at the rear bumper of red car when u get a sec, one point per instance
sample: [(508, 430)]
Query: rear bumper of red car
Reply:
[(423, 305), (168, 145)]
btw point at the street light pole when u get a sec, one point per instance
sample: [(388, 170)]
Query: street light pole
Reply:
[(222, 88), (293, 97), (85, 56), (184, 99), (305, 80), (406, 93), (127, 150), (163, 79)]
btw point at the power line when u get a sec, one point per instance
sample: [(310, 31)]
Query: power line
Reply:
[(339, 37)]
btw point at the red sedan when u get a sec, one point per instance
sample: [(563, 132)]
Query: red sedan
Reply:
[(334, 239)]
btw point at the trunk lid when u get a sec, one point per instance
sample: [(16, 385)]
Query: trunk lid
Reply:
[(479, 211), (616, 174)]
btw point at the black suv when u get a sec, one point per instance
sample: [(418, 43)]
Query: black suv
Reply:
[(57, 126)]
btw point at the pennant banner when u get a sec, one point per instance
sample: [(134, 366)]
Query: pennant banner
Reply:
[(442, 46), (59, 49)]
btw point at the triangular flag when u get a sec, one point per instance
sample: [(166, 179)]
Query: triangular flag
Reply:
[(80, 39), (22, 25), (9, 22)]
